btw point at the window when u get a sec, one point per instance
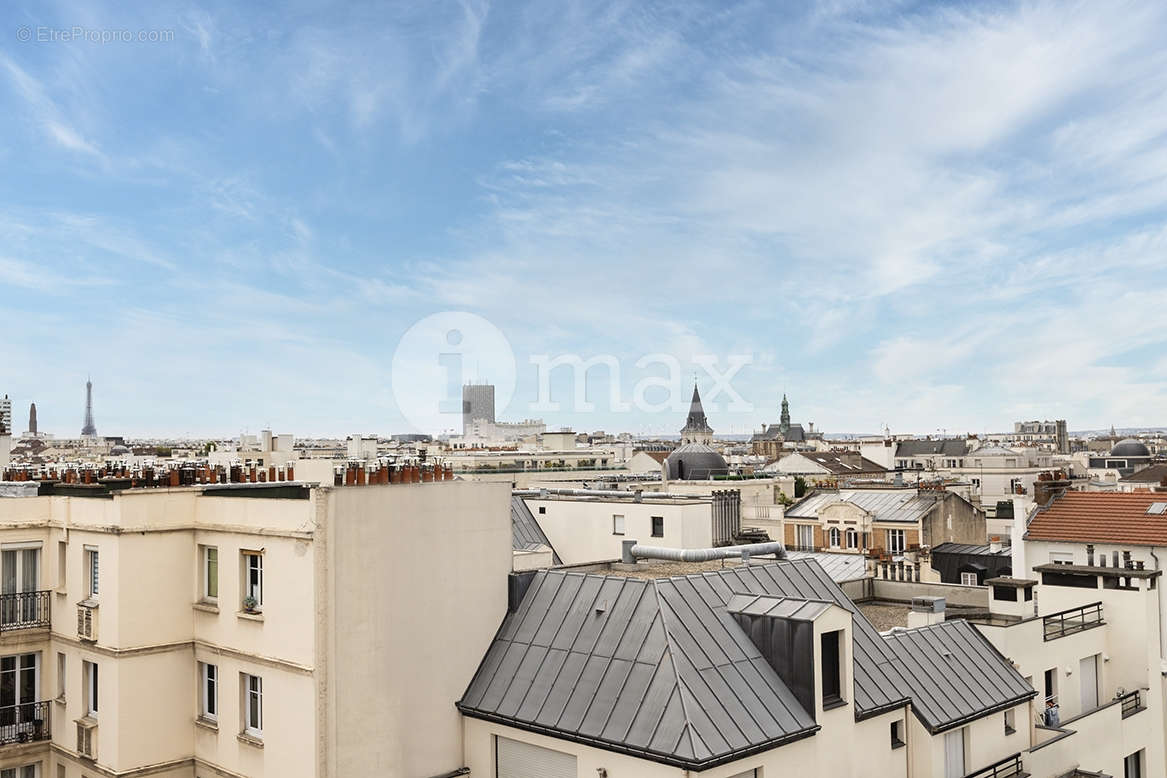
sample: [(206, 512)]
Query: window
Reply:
[(895, 541), (62, 565), (833, 533), (658, 526), (804, 537), (897, 733), (252, 580), (89, 672), (1010, 722), (61, 664), (852, 539), (210, 572), (831, 681), (20, 574), (209, 691), (617, 524), (253, 705), (542, 509), (1132, 766), (91, 570), (516, 759), (28, 771), (969, 579), (1061, 557), (954, 753)]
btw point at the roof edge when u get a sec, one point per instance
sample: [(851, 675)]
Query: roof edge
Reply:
[(642, 753)]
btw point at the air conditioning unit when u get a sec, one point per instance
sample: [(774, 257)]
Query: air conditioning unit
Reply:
[(87, 740), (86, 623), (928, 604)]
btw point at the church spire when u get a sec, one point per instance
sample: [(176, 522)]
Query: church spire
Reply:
[(784, 419), (697, 429)]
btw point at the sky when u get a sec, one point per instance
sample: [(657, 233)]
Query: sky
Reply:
[(934, 217)]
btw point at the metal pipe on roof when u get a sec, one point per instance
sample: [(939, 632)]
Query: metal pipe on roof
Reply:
[(638, 551), (626, 494)]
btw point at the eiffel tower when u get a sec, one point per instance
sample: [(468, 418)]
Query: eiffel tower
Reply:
[(90, 429)]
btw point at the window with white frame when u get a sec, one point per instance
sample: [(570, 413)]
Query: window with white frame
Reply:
[(252, 580), (209, 572), (89, 673), (92, 568), (252, 705), (833, 535), (209, 691), (852, 539), (1061, 557), (617, 524), (61, 664), (969, 579), (804, 537), (28, 771), (895, 541)]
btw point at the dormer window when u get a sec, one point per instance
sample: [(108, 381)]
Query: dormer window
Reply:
[(832, 680)]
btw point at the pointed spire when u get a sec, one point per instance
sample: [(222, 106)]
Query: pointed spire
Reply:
[(697, 427)]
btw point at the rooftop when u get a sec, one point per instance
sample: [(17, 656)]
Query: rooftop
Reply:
[(1102, 517), (906, 505), (661, 669)]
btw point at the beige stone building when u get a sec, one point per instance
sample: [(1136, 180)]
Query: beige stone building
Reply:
[(254, 630)]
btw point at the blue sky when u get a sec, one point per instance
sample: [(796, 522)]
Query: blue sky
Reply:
[(921, 215)]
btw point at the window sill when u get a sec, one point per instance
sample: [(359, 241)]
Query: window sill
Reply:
[(250, 740), (250, 616), (206, 607), (898, 744), (834, 702), (1010, 731), (88, 721), (205, 723), (88, 602), (60, 700)]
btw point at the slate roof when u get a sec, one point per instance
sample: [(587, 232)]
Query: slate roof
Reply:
[(840, 567), (973, 550), (526, 534), (841, 465), (905, 505), (949, 447), (1148, 475), (1101, 517), (955, 675), (660, 669)]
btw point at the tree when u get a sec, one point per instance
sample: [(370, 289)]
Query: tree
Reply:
[(799, 486)]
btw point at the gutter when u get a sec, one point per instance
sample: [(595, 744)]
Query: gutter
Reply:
[(643, 753), (1159, 595)]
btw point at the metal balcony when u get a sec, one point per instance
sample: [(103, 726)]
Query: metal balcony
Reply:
[(25, 610), (27, 722)]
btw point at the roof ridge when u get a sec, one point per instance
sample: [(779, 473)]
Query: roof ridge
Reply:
[(670, 645)]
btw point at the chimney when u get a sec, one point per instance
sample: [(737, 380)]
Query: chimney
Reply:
[(926, 611), (994, 544)]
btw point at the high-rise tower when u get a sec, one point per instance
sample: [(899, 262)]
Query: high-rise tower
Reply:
[(6, 416), (784, 418), (90, 429), (32, 419)]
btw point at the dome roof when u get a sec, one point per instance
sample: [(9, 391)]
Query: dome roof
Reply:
[(1130, 448), (695, 462)]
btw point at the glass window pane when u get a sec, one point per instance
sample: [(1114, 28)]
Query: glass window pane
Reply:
[(212, 572)]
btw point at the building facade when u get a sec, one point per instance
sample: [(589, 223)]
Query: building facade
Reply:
[(237, 629)]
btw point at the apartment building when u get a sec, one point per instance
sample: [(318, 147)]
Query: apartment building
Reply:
[(749, 671), (227, 630), (900, 525), (1088, 640), (590, 525)]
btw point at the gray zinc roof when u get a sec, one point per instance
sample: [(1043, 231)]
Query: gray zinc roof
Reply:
[(840, 567), (526, 534), (656, 668), (949, 447), (955, 675), (884, 504), (660, 668)]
